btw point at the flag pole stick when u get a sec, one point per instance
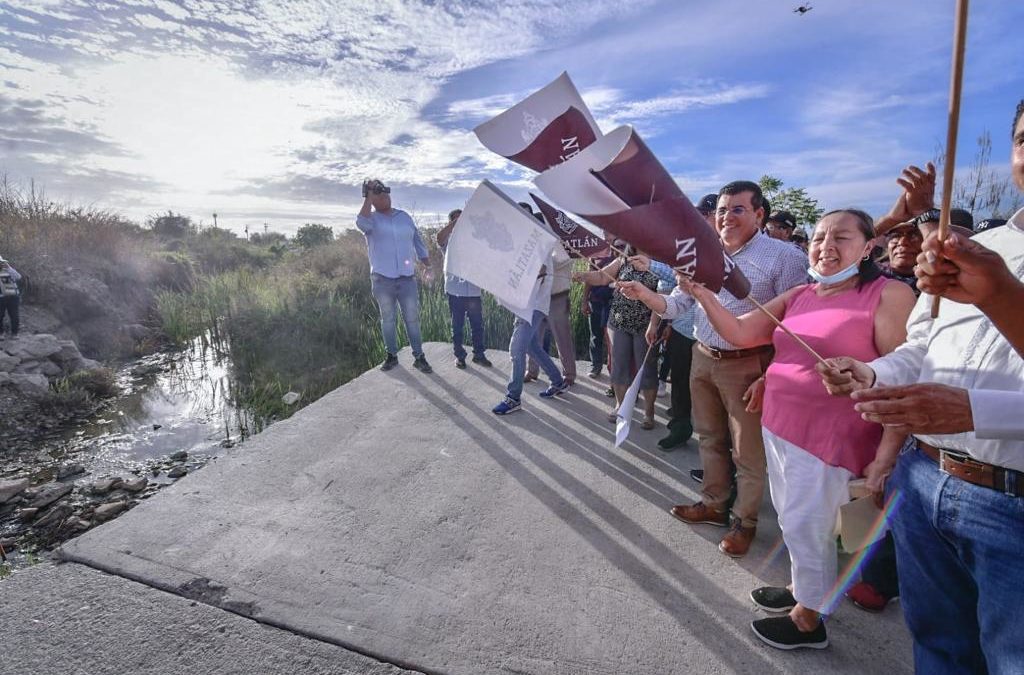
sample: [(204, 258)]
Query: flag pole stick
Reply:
[(955, 82), (590, 261), (788, 332)]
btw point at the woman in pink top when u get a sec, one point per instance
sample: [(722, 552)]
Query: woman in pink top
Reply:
[(815, 443)]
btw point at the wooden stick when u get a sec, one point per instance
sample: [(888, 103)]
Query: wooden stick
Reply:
[(955, 82), (591, 260), (788, 331)]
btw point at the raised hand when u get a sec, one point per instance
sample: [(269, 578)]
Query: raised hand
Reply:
[(919, 188)]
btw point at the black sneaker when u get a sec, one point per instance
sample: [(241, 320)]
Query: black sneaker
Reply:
[(780, 632), (481, 360), (389, 362), (460, 362), (697, 475), (421, 364), (674, 440), (773, 598)]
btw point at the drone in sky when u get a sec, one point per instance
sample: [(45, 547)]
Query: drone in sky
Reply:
[(803, 9)]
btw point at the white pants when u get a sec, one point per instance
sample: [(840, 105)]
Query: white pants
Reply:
[(807, 494)]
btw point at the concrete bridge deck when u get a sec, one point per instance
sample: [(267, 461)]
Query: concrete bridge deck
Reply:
[(397, 517)]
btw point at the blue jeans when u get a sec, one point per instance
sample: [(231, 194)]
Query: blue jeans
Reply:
[(11, 305), (525, 339), (460, 307), (960, 551), (599, 312), (389, 294)]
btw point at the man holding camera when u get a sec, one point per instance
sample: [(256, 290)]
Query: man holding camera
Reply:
[(394, 245)]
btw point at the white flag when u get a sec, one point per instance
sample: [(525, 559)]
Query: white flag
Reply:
[(624, 413), (499, 247)]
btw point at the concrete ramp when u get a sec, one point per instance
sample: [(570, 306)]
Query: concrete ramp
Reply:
[(397, 516)]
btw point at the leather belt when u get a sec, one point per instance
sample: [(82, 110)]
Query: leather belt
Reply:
[(732, 353), (974, 472)]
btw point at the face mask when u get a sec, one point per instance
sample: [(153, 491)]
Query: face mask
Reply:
[(838, 277)]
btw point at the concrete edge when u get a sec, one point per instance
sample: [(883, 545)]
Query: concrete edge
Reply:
[(212, 593)]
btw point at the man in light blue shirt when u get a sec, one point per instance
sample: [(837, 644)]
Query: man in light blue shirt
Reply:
[(394, 246), (463, 299)]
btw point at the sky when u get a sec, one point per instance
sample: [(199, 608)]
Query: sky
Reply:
[(271, 114)]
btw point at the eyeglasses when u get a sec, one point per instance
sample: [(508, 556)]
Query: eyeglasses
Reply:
[(736, 211), (777, 227)]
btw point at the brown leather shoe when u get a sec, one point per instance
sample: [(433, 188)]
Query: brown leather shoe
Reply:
[(700, 512), (737, 542)]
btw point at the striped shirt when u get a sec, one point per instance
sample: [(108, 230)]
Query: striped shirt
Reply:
[(683, 324), (772, 267)]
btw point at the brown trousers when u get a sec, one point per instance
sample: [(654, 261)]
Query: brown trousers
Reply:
[(561, 328), (726, 429)]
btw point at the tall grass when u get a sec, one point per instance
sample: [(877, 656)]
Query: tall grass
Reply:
[(310, 324)]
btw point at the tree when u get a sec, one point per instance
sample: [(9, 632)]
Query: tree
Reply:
[(795, 200), (218, 233), (172, 225), (314, 234), (982, 190), (267, 238)]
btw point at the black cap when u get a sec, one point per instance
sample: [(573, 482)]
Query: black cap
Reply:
[(989, 223), (783, 217), (958, 217), (708, 203), (962, 218)]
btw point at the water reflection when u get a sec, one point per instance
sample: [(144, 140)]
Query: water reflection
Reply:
[(170, 402)]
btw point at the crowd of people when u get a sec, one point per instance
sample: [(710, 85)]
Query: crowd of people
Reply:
[(859, 380)]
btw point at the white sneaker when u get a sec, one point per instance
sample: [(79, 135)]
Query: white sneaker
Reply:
[(662, 389)]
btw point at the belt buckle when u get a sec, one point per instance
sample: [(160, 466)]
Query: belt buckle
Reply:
[(953, 457), (942, 460)]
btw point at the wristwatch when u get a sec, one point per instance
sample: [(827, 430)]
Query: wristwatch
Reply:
[(929, 216)]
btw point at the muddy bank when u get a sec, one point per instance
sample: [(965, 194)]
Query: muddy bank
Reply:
[(71, 471)]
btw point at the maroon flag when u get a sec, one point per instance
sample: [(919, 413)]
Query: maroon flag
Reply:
[(636, 176), (673, 232), (546, 128), (561, 139), (578, 241), (618, 184)]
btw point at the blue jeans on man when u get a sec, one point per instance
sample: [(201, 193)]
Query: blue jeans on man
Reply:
[(599, 313), (391, 293), (460, 307), (959, 549), (526, 341)]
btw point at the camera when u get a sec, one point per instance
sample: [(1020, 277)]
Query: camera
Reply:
[(375, 187)]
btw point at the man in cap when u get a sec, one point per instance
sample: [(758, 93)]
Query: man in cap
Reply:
[(903, 242), (394, 245), (988, 224), (781, 225), (707, 205)]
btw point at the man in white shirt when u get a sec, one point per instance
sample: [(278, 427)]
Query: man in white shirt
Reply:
[(957, 384), (525, 341)]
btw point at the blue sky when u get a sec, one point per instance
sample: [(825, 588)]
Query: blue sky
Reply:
[(271, 112)]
